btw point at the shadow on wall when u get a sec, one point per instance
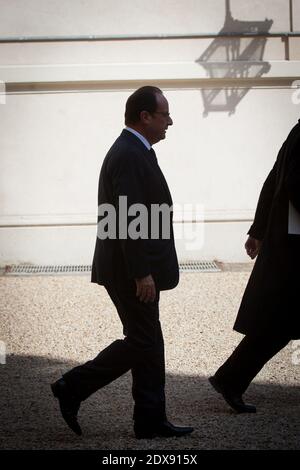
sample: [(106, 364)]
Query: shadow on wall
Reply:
[(30, 418), (233, 57)]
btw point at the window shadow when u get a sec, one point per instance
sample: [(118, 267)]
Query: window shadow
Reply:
[(30, 418), (234, 58)]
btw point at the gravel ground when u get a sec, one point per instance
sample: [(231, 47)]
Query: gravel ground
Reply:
[(50, 324)]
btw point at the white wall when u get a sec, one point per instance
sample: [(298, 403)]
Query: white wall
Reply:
[(47, 17), (65, 105)]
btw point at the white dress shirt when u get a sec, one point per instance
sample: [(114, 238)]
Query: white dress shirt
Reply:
[(140, 136)]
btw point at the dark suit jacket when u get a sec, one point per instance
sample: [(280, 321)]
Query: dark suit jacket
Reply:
[(130, 169), (271, 296)]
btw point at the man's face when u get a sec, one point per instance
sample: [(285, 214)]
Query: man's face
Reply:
[(159, 120)]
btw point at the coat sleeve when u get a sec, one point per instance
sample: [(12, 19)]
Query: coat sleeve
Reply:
[(258, 228), (128, 179)]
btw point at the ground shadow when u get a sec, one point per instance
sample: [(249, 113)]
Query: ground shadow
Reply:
[(233, 57), (30, 418)]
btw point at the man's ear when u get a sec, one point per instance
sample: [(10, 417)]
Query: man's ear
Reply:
[(145, 117)]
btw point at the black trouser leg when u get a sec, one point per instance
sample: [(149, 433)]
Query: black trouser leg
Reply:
[(148, 382), (143, 332), (141, 350), (107, 366), (249, 357)]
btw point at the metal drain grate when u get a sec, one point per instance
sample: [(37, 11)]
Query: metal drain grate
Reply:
[(199, 266), (24, 269), (39, 269)]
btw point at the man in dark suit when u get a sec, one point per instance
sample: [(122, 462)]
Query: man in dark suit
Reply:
[(134, 259), (268, 315)]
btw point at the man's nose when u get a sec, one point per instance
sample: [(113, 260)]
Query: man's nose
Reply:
[(170, 121)]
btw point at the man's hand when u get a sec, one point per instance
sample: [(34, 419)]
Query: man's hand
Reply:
[(145, 289), (252, 247)]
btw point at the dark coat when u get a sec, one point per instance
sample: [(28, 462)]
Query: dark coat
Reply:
[(130, 169), (270, 299)]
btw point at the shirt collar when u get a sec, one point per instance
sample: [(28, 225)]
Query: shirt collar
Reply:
[(140, 136)]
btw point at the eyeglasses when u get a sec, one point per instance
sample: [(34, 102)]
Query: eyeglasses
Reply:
[(163, 113)]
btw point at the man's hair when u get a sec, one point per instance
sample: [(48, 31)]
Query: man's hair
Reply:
[(143, 99)]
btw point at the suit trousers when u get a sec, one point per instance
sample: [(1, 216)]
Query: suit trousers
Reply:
[(141, 351), (249, 357)]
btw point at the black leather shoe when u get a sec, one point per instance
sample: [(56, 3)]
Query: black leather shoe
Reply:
[(235, 401), (69, 405), (164, 429)]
